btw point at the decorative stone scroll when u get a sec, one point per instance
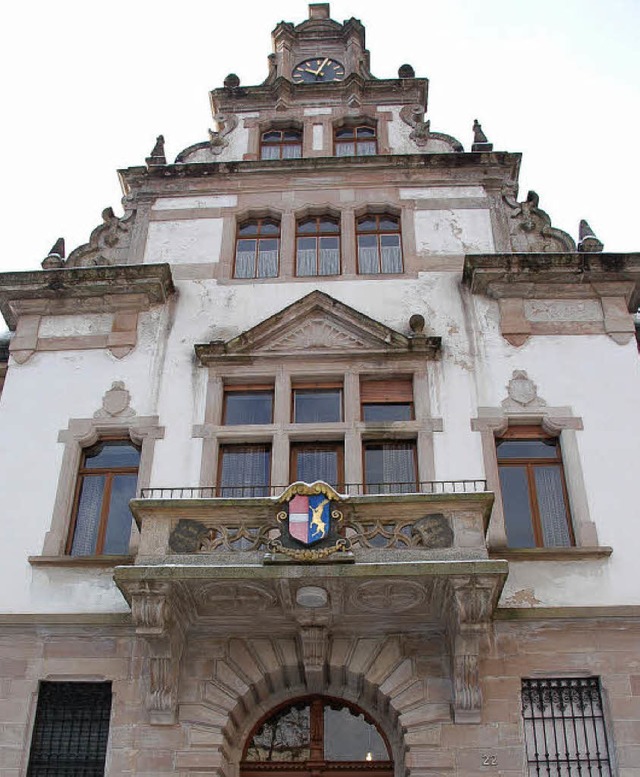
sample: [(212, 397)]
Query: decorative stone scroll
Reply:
[(421, 133), (530, 227), (109, 243)]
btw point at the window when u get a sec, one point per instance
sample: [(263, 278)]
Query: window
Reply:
[(379, 246), (244, 470), (317, 405), (257, 249), (71, 730), (281, 144), (390, 467), (247, 405), (356, 141), (106, 482), (534, 494), (318, 246), (564, 727), (311, 462), (317, 730), (386, 400)]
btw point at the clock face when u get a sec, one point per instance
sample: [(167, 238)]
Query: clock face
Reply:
[(318, 69)]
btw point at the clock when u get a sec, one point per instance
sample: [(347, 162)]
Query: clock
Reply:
[(318, 69)]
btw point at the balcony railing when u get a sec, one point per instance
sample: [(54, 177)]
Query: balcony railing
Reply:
[(350, 489)]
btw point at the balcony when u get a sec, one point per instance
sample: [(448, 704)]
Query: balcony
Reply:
[(410, 560)]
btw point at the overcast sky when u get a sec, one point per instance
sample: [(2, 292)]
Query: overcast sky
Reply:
[(87, 86)]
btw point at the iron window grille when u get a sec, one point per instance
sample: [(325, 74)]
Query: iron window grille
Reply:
[(564, 728), (71, 730)]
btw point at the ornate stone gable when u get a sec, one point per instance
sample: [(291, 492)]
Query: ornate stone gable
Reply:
[(321, 325)]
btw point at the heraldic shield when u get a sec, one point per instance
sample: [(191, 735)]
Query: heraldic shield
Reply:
[(311, 519)]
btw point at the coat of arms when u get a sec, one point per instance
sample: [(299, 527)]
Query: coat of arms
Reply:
[(310, 523)]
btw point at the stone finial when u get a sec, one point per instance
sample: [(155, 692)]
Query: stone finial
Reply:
[(480, 141), (55, 257), (587, 240), (319, 11), (157, 157), (231, 81), (406, 71)]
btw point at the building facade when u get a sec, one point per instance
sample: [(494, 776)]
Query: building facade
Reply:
[(311, 466)]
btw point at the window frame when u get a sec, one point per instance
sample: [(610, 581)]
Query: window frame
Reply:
[(310, 386), (317, 236), (398, 393), (45, 720), (258, 221), (300, 445), (530, 432), (280, 144), (82, 433), (354, 127), (379, 234), (109, 473), (410, 443), (265, 446), (250, 388)]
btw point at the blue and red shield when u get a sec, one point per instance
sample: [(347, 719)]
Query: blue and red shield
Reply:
[(309, 518)]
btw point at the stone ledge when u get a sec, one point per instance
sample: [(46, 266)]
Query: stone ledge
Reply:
[(80, 561), (550, 554), (566, 613)]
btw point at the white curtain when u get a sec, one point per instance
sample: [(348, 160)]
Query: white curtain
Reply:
[(390, 469), (245, 264), (245, 472), (368, 260), (270, 152), (88, 518), (391, 259), (317, 465), (553, 513), (329, 261), (291, 152), (267, 264), (306, 260), (345, 149)]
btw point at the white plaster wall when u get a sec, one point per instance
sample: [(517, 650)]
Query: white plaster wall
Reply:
[(196, 202), (184, 241), (399, 131), (70, 326), (453, 231), (164, 379), (238, 140)]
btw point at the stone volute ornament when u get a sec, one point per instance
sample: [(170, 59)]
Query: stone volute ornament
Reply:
[(226, 123), (530, 227), (116, 402), (109, 242), (522, 393)]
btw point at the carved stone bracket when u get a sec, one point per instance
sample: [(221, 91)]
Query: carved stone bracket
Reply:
[(159, 617), (314, 647), (471, 605)]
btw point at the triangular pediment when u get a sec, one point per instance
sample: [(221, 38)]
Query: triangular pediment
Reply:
[(317, 325)]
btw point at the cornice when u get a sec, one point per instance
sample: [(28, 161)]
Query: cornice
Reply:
[(151, 282), (539, 275), (378, 91), (495, 166)]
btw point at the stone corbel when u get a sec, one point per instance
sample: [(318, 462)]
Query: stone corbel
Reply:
[(473, 600), (158, 618), (314, 646)]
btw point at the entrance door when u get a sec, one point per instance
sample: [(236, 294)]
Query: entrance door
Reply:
[(317, 737)]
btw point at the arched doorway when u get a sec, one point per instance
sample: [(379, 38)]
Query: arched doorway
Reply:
[(317, 736)]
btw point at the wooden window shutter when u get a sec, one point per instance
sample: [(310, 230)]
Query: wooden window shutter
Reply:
[(382, 391)]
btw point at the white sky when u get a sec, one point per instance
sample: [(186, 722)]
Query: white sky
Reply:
[(87, 86)]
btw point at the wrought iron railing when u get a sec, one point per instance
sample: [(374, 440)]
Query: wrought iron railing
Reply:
[(350, 489)]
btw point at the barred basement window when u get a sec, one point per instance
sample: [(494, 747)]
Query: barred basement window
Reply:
[(564, 727), (71, 730)]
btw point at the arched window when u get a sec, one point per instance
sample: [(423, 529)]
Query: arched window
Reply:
[(318, 246), (317, 732), (379, 244), (257, 249), (281, 144), (359, 140)]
